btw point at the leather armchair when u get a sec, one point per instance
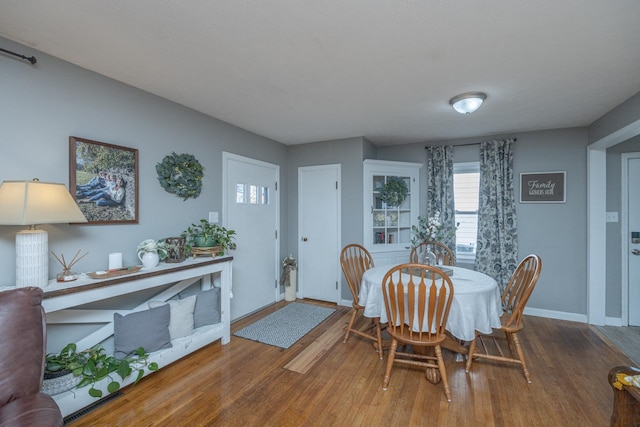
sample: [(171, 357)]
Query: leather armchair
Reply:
[(22, 352)]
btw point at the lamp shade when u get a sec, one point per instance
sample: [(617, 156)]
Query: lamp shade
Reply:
[(467, 103), (35, 202)]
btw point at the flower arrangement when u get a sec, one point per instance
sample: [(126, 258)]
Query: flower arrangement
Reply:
[(430, 228), (288, 263), (151, 245)]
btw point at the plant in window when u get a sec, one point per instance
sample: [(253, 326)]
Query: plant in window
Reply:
[(394, 191)]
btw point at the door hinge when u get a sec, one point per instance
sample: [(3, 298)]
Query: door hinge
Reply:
[(276, 185), (276, 234), (276, 283), (336, 185), (336, 284)]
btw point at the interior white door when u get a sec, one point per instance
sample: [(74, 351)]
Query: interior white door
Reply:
[(633, 238), (319, 232), (251, 208)]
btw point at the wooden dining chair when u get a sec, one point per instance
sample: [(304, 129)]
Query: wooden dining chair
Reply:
[(444, 255), (514, 299), (355, 260), (417, 299)]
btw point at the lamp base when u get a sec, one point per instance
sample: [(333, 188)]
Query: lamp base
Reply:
[(32, 258)]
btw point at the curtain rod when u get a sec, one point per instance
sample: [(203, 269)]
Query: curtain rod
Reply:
[(32, 59), (465, 145)]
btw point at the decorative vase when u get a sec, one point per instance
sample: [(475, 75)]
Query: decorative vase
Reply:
[(176, 249), (149, 259), (290, 291)]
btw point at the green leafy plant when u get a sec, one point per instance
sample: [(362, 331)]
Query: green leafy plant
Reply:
[(181, 174), (394, 191), (94, 364), (151, 245), (431, 229), (206, 234)]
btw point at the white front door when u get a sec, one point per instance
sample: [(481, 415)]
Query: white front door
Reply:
[(631, 245), (251, 209), (319, 232)]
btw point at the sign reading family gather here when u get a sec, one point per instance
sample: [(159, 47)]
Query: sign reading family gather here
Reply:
[(542, 187)]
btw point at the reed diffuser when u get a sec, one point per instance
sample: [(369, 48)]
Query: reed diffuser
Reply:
[(67, 274)]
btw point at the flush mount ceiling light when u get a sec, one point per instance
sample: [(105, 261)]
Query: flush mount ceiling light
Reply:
[(467, 103)]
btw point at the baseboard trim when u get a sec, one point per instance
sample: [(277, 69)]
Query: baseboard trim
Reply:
[(552, 314)]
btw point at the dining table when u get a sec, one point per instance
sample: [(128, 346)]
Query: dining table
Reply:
[(476, 304)]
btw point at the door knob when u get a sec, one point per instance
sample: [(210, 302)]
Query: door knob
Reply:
[(304, 239), (635, 251)]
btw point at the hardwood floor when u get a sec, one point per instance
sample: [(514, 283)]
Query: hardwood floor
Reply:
[(245, 384)]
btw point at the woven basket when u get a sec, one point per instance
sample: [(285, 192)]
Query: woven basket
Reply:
[(59, 384)]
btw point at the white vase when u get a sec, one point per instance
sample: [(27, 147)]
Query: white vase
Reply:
[(290, 291), (149, 259)]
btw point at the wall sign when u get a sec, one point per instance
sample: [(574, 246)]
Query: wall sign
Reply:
[(542, 187)]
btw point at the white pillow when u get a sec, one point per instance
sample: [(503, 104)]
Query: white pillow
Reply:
[(181, 322)]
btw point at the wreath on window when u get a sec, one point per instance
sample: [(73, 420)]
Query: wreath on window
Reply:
[(394, 191), (180, 174)]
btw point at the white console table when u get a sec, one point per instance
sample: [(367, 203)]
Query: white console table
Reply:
[(89, 301)]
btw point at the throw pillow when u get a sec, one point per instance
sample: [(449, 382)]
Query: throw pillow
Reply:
[(207, 311), (148, 329), (181, 322)]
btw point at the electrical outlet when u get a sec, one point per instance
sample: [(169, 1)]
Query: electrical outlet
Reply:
[(612, 217), (213, 217)]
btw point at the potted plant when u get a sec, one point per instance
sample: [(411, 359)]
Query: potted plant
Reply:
[(151, 252), (207, 235), (94, 364)]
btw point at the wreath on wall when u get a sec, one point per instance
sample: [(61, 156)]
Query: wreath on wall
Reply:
[(180, 174), (394, 191)]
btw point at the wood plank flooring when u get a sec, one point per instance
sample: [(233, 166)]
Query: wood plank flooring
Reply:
[(245, 383)]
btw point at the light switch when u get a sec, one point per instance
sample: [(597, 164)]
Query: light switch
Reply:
[(213, 217), (612, 216)]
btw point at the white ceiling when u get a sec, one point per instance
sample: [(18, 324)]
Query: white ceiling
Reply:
[(301, 71)]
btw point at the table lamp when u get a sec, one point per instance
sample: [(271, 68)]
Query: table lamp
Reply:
[(30, 203)]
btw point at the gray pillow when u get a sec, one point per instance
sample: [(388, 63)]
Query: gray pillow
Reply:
[(148, 329), (207, 311)]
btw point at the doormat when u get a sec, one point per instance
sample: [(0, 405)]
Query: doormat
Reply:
[(284, 327)]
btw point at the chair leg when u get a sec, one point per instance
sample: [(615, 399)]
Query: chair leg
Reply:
[(516, 343), (379, 335), (443, 373), (392, 356), (351, 322), (472, 349)]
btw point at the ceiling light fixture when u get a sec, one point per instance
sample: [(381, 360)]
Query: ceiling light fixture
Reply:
[(467, 103)]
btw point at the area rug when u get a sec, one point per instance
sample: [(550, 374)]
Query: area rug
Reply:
[(284, 327)]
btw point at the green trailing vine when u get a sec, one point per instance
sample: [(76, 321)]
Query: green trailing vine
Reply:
[(181, 174), (394, 191)]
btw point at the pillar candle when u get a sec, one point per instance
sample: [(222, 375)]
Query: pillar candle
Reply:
[(115, 260)]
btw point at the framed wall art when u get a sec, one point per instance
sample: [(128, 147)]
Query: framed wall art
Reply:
[(103, 179), (543, 187)]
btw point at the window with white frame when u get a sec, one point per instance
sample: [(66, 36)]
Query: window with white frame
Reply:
[(466, 190)]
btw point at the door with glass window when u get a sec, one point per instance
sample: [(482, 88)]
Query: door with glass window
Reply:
[(251, 209)]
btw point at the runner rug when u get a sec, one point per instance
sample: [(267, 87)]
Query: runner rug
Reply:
[(284, 327)]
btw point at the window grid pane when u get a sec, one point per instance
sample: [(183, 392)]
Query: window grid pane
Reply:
[(466, 187)]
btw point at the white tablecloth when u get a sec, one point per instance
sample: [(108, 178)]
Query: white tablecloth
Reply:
[(475, 305)]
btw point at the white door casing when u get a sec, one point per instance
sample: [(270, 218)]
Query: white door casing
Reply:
[(630, 222), (255, 216), (319, 232)]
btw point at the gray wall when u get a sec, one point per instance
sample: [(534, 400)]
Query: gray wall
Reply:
[(556, 232), (42, 105), (348, 153)]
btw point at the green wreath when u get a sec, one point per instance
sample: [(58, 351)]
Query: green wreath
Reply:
[(180, 174), (394, 191)]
